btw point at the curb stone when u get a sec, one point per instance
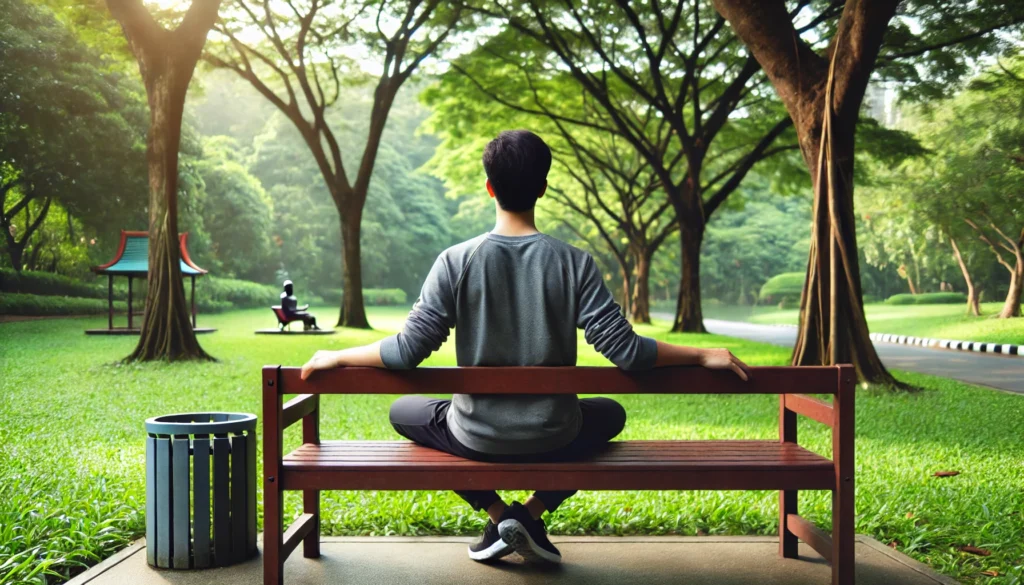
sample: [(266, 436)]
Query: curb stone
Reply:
[(975, 346)]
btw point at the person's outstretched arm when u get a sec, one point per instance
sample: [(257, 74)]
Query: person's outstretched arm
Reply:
[(713, 359), (427, 327), (612, 335)]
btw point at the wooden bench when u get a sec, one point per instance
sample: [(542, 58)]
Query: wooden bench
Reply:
[(626, 465)]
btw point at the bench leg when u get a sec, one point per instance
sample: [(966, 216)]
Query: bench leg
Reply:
[(273, 538), (787, 540), (842, 537), (311, 505)]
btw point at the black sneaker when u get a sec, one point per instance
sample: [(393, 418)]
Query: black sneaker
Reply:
[(490, 547), (527, 535)]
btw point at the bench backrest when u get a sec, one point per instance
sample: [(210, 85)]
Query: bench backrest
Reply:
[(566, 380), (792, 384), (280, 313)]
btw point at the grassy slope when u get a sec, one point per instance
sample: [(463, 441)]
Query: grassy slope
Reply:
[(937, 321), (72, 478)]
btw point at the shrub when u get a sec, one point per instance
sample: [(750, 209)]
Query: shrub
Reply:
[(785, 287), (935, 298), (901, 299), (789, 302), (48, 283), (371, 296), (38, 305), (241, 294), (384, 296)]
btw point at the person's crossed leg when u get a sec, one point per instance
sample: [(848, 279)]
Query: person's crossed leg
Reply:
[(516, 527)]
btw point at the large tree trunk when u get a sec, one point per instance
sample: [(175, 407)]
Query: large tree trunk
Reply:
[(833, 327), (1011, 307), (166, 324), (823, 97), (640, 306), (166, 61), (689, 315), (353, 312), (973, 304)]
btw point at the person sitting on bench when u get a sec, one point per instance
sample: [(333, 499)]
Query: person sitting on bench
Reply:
[(292, 310), (516, 297)]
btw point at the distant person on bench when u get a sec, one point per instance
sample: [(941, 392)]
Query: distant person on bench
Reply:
[(516, 297), (292, 310)]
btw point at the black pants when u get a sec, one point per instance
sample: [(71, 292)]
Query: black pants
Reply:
[(308, 321), (424, 420)]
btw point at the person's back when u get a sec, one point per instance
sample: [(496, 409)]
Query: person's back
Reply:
[(515, 297), (516, 301)]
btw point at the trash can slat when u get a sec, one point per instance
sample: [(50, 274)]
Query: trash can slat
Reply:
[(238, 488), (180, 529), (250, 493), (221, 502), (201, 502), (163, 502), (151, 500)]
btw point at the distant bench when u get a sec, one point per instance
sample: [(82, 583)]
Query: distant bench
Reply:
[(283, 320), (626, 465)]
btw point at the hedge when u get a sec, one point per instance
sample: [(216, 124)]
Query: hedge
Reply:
[(212, 293), (785, 286), (50, 284), (241, 294), (36, 305), (371, 296), (935, 298)]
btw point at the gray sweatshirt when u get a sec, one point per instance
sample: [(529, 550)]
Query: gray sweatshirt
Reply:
[(515, 301)]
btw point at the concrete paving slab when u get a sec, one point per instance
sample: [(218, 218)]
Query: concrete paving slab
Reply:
[(587, 561)]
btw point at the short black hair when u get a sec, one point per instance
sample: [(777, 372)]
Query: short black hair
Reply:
[(517, 164)]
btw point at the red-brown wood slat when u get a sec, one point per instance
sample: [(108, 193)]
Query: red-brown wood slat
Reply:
[(477, 479), (566, 380), (811, 407), (623, 465)]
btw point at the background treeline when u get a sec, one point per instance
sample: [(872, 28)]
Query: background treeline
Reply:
[(72, 175)]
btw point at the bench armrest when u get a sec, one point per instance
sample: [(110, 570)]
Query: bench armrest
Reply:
[(839, 416), (299, 408)]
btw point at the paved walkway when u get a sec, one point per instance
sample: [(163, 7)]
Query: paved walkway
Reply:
[(587, 561), (994, 371)]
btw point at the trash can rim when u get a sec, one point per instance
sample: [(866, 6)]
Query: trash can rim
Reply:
[(181, 423)]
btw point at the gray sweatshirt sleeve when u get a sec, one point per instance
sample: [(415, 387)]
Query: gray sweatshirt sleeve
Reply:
[(604, 326), (428, 324)]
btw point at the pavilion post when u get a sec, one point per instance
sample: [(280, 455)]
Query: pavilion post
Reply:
[(193, 301), (130, 315), (110, 301)]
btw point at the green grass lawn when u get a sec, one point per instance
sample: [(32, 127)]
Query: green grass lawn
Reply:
[(936, 321), (72, 475)]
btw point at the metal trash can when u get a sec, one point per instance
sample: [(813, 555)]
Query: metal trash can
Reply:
[(200, 489)]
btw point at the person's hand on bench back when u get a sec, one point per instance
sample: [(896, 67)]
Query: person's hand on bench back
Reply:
[(712, 359), (366, 355)]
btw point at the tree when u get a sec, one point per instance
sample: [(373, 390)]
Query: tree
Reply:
[(237, 214), (63, 118), (971, 186), (301, 65), (823, 95), (167, 60), (668, 79)]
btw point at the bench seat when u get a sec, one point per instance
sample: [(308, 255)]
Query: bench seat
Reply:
[(624, 465)]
